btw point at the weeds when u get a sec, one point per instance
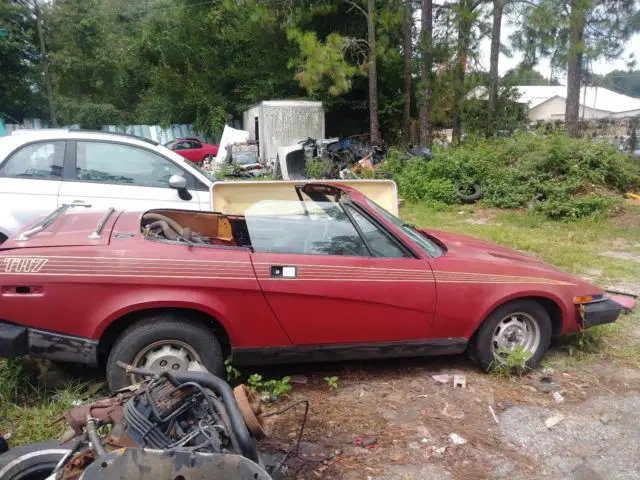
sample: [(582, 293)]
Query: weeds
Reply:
[(232, 372), (511, 362), (332, 382), (273, 389), (553, 175)]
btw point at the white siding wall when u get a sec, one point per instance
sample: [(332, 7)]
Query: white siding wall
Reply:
[(548, 110)]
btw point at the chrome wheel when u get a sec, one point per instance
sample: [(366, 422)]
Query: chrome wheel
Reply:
[(516, 329), (167, 355)]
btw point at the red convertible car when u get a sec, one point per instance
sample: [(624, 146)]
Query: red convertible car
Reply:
[(326, 274), (193, 149)]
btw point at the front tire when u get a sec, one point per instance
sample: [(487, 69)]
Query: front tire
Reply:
[(521, 322), (35, 461), (159, 343)]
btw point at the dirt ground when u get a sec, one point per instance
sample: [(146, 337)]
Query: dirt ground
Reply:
[(414, 420)]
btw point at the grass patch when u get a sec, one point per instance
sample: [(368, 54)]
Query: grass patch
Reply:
[(572, 246), (31, 407)]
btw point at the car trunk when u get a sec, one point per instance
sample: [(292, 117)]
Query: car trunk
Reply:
[(70, 228), (233, 198)]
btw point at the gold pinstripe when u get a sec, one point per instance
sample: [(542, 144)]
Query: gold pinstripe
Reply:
[(243, 270)]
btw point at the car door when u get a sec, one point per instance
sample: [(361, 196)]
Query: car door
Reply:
[(337, 276), (189, 149), (111, 174), (30, 180)]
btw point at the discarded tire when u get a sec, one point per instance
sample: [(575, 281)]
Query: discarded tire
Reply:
[(35, 461), (464, 196)]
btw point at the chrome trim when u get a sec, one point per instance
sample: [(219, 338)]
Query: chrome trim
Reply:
[(96, 235), (46, 222)]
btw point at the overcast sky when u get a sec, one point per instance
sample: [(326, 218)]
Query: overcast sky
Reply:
[(600, 67)]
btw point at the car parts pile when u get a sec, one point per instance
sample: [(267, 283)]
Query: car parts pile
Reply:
[(184, 425)]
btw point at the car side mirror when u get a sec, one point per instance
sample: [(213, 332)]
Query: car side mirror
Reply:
[(180, 183)]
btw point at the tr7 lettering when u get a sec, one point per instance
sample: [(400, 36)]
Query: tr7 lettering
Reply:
[(24, 265)]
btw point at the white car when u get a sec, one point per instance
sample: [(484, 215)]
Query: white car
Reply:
[(41, 170)]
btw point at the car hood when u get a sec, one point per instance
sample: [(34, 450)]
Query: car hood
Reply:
[(463, 247), (70, 229)]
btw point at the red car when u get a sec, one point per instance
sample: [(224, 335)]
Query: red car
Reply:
[(193, 149), (325, 274)]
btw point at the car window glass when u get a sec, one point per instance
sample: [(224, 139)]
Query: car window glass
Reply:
[(379, 242), (430, 247), (314, 228), (39, 160), (123, 164)]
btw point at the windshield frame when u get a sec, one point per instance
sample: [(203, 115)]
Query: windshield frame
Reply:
[(425, 244)]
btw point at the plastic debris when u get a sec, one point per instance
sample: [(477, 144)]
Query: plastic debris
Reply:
[(553, 421), (459, 381), (441, 378), (457, 439), (493, 414), (557, 396), (366, 442), (299, 379)]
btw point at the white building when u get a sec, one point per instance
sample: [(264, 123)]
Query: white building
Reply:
[(549, 102)]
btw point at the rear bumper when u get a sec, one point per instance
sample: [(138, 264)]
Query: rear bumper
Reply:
[(17, 340), (600, 312)]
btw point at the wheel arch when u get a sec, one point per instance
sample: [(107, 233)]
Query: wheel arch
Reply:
[(118, 325), (551, 304)]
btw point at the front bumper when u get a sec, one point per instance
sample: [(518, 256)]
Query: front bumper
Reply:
[(17, 340), (600, 312)]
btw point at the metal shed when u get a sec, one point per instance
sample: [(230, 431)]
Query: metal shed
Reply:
[(278, 123)]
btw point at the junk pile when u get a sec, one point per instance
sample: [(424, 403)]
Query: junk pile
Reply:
[(347, 158), (174, 425)]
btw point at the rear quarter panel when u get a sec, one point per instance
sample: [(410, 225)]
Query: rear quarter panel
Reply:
[(84, 289)]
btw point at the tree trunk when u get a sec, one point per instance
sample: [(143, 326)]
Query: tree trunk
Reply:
[(494, 78), (373, 75), (407, 54), (45, 66), (465, 22), (574, 71), (425, 72)]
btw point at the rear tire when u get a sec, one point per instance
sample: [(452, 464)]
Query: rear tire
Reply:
[(164, 342), (483, 345), (35, 461)]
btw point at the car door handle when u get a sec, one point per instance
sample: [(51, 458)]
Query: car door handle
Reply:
[(284, 271)]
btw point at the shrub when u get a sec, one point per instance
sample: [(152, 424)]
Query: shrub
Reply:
[(560, 177)]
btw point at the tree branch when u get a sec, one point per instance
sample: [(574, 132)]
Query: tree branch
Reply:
[(355, 5)]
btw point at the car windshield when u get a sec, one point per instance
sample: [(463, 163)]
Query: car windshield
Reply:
[(305, 226), (207, 173), (171, 144), (430, 247)]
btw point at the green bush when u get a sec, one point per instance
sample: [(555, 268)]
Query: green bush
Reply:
[(560, 177)]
